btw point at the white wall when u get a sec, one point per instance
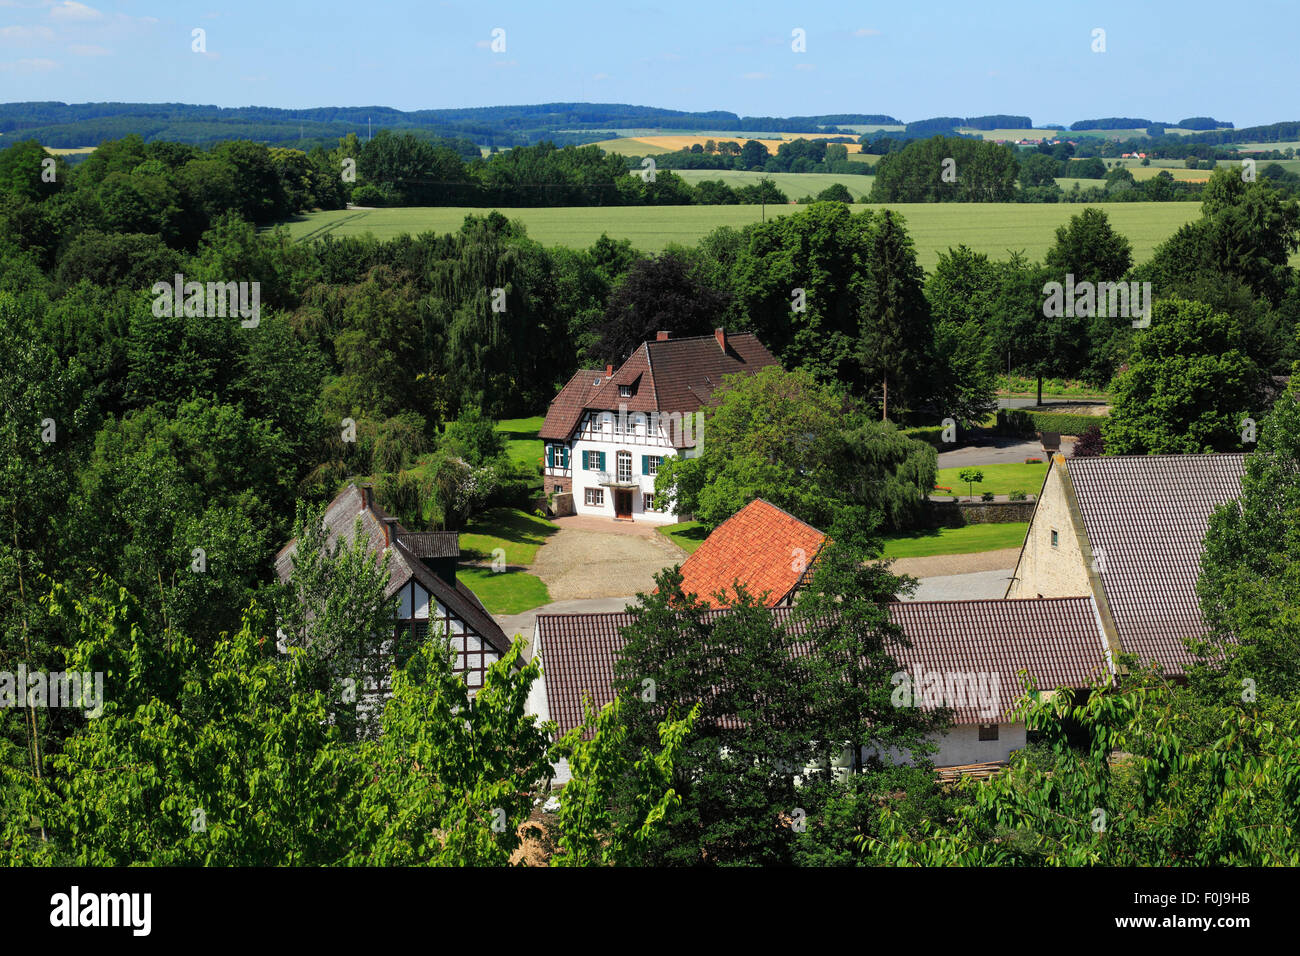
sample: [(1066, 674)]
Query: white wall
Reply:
[(961, 745), (595, 434)]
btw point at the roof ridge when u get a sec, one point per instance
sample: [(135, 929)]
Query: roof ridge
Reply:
[(784, 512)]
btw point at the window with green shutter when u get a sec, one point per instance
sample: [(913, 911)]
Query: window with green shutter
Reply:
[(602, 461), (550, 456), (645, 464)]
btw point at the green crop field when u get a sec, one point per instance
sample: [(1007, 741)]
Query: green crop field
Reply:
[(626, 146), (794, 185), (992, 228)]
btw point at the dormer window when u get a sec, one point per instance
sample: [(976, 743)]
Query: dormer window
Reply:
[(625, 391)]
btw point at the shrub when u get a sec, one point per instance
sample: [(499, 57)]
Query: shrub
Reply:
[(987, 496), (1017, 496), (368, 195), (402, 497), (1026, 423), (398, 444), (1090, 443), (1033, 461)]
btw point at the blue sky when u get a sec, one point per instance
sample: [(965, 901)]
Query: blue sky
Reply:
[(1163, 60)]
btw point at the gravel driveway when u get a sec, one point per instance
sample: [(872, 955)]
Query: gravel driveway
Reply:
[(579, 564)]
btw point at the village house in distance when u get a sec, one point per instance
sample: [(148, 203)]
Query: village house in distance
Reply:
[(606, 433)]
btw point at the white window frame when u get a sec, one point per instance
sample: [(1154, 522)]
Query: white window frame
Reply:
[(595, 497), (619, 458), (647, 501), (653, 462)]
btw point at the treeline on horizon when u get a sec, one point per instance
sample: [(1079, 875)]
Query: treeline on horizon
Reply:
[(71, 125)]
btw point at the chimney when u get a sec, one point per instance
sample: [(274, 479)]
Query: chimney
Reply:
[(367, 497), (390, 531), (609, 370), (721, 336), (662, 336)]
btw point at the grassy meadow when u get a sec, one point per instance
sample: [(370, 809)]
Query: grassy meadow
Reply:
[(969, 539), (1000, 479), (992, 228)]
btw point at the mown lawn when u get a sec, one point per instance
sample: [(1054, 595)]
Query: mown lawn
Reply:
[(999, 479), (688, 535), (522, 444), (506, 592), (966, 540), (519, 534)]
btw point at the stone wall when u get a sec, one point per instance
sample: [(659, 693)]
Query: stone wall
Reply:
[(955, 514)]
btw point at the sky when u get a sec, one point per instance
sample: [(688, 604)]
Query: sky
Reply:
[(1162, 61)]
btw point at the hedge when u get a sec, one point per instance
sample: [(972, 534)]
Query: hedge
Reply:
[(1023, 421)]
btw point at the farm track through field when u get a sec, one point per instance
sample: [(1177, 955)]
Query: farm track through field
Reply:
[(329, 226)]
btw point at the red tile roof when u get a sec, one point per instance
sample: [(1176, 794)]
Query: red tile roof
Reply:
[(1056, 641), (761, 546), (1146, 517)]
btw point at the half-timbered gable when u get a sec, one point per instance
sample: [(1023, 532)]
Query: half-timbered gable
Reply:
[(422, 575)]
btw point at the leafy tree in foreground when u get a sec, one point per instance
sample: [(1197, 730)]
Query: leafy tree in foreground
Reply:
[(590, 834), (1250, 568), (1220, 791)]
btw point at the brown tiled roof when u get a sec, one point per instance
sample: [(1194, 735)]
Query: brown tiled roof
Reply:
[(765, 548), (566, 408), (670, 375), (1057, 641), (403, 562), (1146, 517)]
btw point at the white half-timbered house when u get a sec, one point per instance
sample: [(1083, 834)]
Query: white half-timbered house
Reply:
[(606, 433)]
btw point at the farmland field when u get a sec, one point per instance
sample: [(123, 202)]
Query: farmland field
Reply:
[(647, 145), (794, 185), (992, 228)]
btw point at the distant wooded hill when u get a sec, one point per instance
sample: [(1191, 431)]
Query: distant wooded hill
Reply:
[(66, 125)]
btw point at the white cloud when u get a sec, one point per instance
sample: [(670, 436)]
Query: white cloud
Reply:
[(756, 76), (805, 66), (71, 10), (89, 49), (601, 76), (36, 65), (26, 34), (866, 32)]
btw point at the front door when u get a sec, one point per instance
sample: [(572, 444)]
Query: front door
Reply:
[(622, 503)]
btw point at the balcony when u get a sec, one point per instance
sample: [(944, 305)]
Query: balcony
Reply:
[(609, 480)]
